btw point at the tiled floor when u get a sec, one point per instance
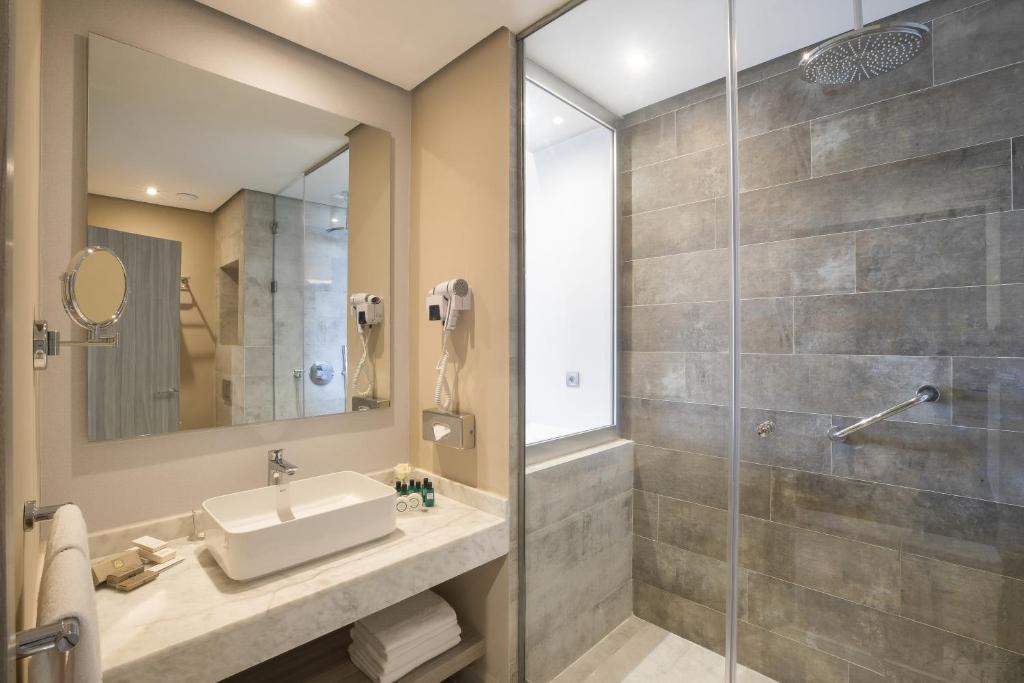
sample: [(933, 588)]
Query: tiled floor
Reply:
[(640, 652)]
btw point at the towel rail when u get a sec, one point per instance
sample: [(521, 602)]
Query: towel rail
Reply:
[(925, 394), (61, 636), (34, 512)]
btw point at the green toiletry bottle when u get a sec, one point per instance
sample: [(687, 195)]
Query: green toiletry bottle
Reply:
[(428, 493)]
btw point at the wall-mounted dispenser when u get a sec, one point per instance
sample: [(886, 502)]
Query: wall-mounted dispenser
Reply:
[(367, 312), (445, 425)]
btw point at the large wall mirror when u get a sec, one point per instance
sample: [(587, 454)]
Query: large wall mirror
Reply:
[(256, 234)]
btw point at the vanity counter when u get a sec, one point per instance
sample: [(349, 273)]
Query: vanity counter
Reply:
[(195, 624)]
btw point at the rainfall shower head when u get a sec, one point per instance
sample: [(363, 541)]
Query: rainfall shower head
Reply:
[(863, 53)]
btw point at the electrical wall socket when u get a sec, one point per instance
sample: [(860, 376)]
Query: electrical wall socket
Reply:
[(572, 379)]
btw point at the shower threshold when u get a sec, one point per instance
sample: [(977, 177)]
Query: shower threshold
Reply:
[(640, 652)]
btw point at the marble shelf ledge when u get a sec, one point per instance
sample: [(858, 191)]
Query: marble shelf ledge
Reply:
[(196, 624)]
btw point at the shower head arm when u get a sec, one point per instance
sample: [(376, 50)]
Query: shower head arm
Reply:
[(858, 14)]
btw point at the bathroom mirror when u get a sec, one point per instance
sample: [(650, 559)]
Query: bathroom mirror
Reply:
[(95, 289), (246, 222)]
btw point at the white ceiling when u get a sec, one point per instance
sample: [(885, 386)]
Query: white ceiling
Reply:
[(549, 120), (626, 54), (400, 41), (156, 122)]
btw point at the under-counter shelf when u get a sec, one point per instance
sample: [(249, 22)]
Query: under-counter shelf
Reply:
[(325, 660)]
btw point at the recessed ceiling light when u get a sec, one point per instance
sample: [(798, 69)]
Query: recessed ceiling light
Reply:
[(305, 3), (152, 191), (636, 60), (558, 120), (334, 220)]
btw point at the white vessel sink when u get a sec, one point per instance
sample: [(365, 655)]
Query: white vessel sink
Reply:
[(253, 533)]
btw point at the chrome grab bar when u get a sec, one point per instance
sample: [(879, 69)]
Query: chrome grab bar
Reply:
[(925, 394), (62, 636)]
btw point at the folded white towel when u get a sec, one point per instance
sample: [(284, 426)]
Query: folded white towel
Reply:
[(67, 591), (421, 650), (407, 621), (433, 628), (67, 531), (369, 667)]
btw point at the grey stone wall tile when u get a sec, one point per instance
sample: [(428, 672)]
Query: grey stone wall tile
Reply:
[(682, 180), (696, 623), (988, 392), (869, 638), (698, 528), (782, 659), (975, 533), (967, 112), (563, 487), (977, 250), (699, 479), (959, 183), (680, 278), (692, 576), (670, 231), (959, 321), (800, 267), (963, 461), (781, 156), (645, 514), (978, 38), (858, 572), (796, 443), (701, 125), (648, 142), (692, 427), (676, 327), (980, 605), (844, 385)]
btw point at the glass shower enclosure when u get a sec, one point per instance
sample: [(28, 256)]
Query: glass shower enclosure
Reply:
[(807, 462)]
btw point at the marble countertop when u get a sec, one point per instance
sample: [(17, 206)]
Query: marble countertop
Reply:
[(195, 624)]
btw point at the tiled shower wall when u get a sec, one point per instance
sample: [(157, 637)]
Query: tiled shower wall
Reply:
[(880, 251)]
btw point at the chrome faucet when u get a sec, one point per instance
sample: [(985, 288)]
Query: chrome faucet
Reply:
[(277, 465)]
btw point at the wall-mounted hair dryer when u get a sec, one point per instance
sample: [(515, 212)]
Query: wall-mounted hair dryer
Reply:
[(444, 303), (446, 299), (367, 311)]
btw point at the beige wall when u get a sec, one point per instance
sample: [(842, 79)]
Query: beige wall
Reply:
[(194, 229), (125, 481), (461, 203), (460, 228), (25, 186), (369, 244)]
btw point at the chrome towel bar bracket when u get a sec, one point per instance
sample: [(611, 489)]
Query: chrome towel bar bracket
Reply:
[(925, 394), (34, 512), (62, 636)]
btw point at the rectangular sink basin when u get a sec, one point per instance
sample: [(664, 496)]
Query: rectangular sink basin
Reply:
[(257, 532)]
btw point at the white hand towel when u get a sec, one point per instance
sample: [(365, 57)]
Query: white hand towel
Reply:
[(393, 673), (431, 628), (67, 531), (67, 591), (420, 651), (408, 620)]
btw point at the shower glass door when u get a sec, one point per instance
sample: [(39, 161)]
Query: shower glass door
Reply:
[(625, 540), (880, 253)]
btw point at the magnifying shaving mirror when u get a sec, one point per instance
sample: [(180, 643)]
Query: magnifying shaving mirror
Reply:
[(94, 291)]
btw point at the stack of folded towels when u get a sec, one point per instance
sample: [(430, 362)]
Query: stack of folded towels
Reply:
[(391, 643)]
